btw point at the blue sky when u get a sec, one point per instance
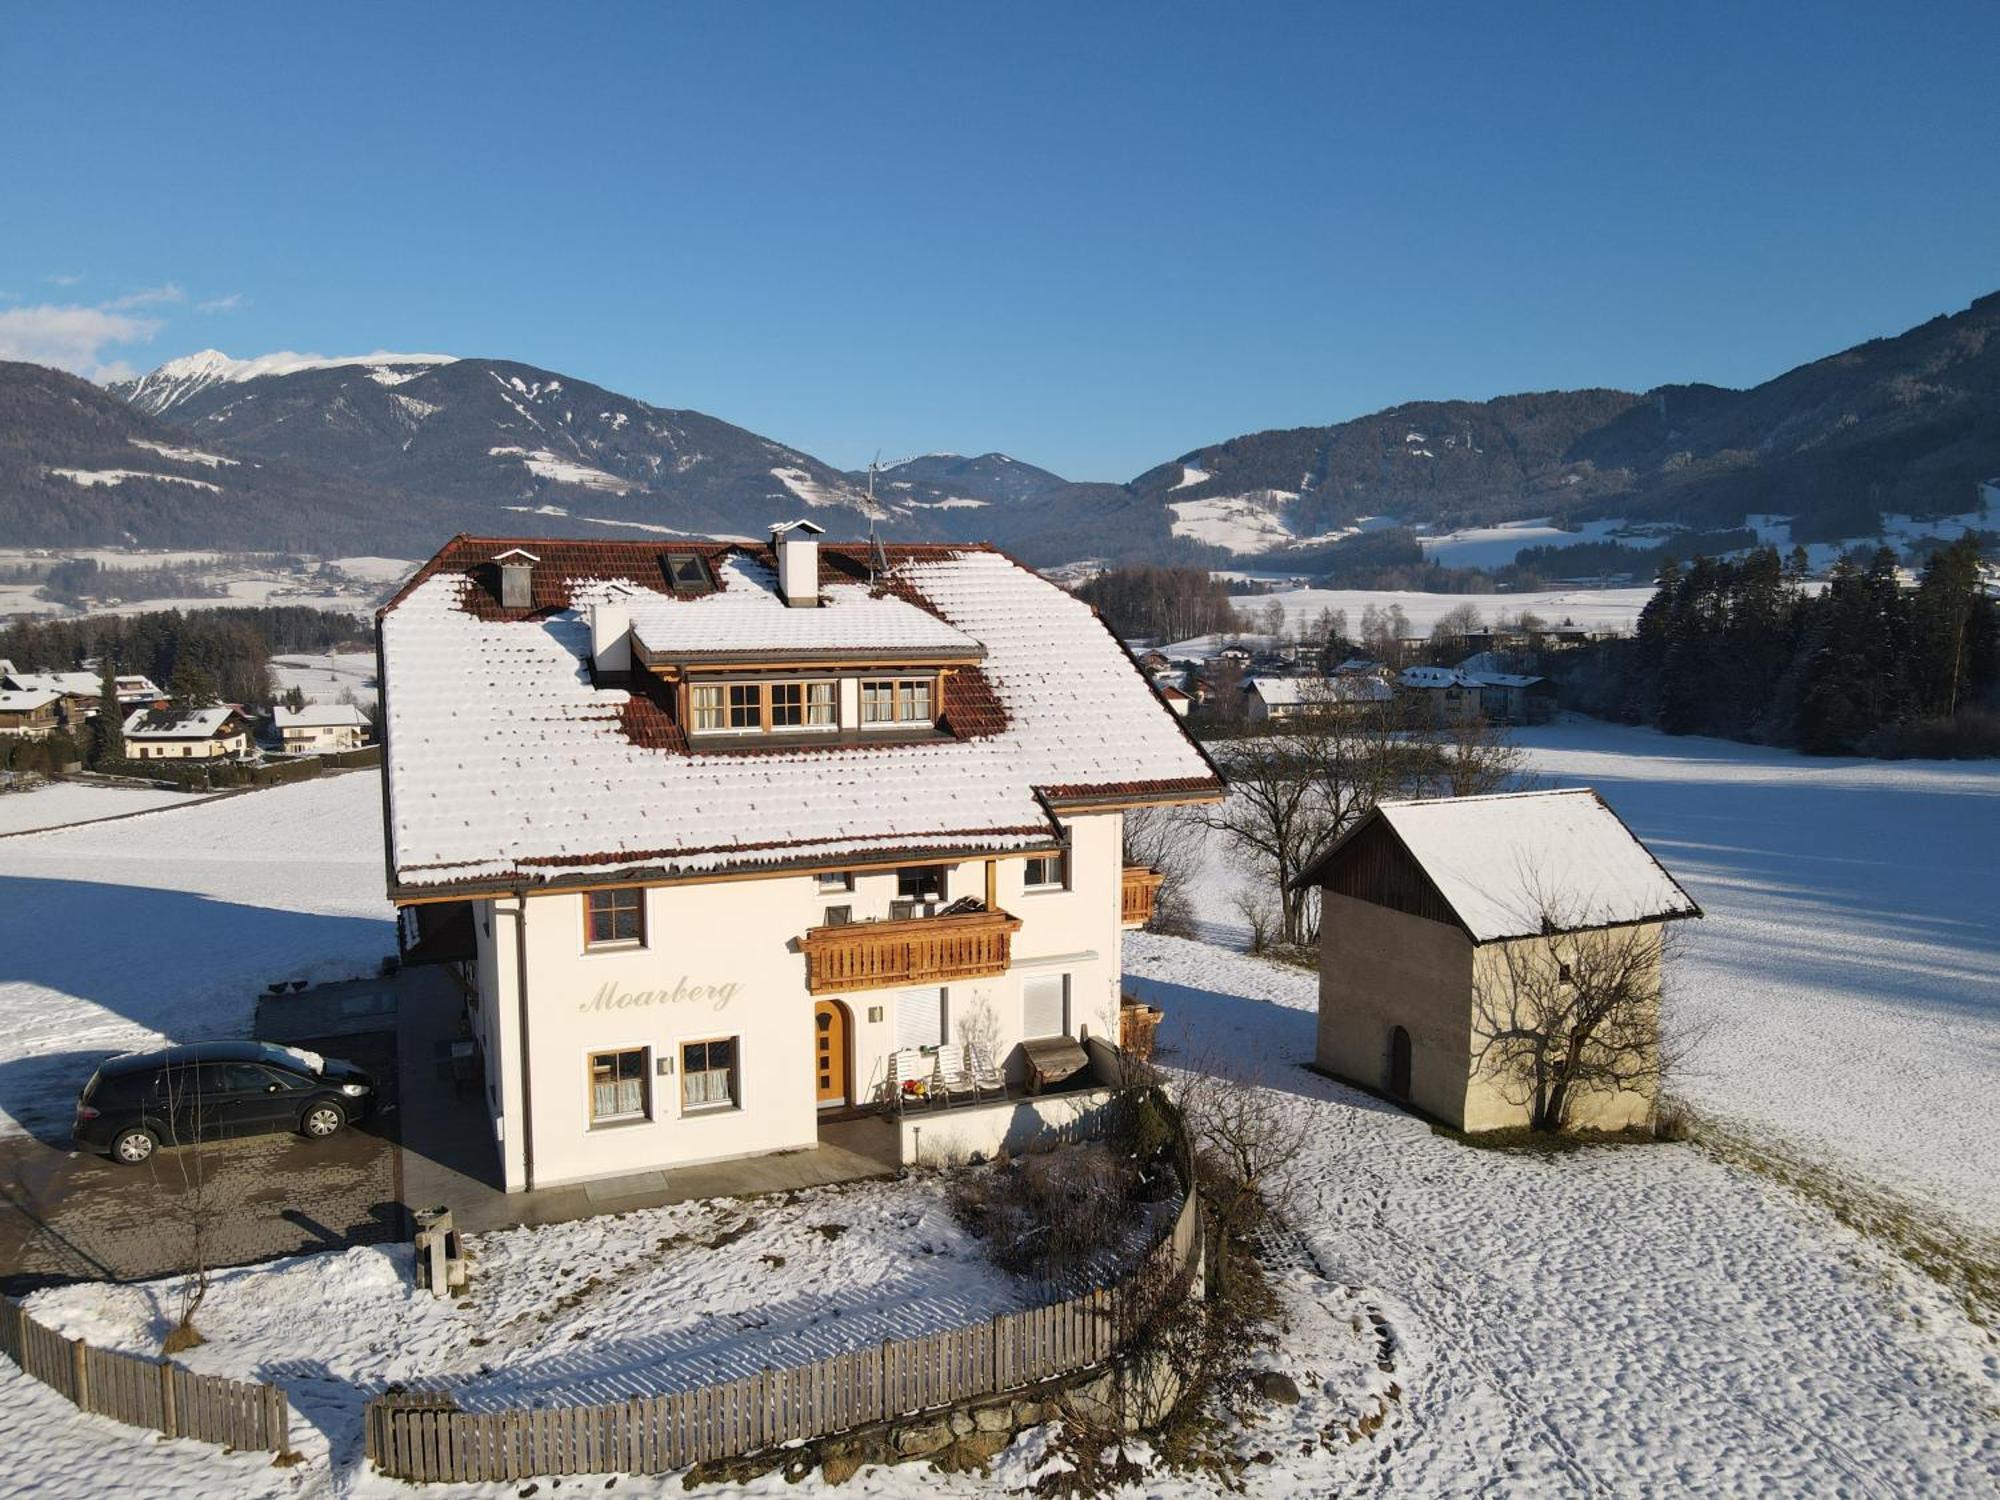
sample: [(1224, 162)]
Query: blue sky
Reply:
[(1091, 236)]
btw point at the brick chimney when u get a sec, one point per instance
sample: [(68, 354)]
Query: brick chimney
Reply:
[(796, 544)]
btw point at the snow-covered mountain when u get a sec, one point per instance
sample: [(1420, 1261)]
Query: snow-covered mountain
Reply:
[(182, 379)]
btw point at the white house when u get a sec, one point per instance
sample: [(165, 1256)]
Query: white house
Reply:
[(186, 733), (319, 727), (1266, 698), (741, 836)]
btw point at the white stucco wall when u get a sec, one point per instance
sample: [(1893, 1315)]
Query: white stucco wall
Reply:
[(720, 960)]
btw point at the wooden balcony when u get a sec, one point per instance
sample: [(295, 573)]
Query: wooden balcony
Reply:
[(915, 950), (1141, 886)]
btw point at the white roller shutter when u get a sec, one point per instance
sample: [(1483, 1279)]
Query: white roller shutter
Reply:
[(1045, 1005), (920, 1018)]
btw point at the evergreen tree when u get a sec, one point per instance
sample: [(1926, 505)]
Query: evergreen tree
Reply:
[(107, 729)]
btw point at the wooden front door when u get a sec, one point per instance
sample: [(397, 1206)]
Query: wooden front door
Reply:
[(830, 1053), (1399, 1064)]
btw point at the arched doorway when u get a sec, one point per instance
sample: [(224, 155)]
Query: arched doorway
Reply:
[(830, 1037), (1399, 1063)]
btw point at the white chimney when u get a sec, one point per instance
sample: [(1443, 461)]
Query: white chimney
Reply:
[(611, 631), (517, 578), (797, 545)]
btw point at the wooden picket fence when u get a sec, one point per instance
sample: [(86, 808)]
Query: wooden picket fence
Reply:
[(146, 1392), (421, 1435)]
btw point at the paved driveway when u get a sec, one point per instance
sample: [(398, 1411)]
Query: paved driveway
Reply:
[(65, 1215)]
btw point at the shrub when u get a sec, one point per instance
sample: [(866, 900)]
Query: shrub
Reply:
[(1051, 1214)]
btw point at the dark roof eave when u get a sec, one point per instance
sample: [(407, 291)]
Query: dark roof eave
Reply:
[(404, 892), (888, 655)]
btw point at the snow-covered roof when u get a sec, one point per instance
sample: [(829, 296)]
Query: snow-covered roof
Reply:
[(1289, 692), (25, 700), (507, 763), (748, 618), (177, 723), (1504, 862), (137, 687), (68, 684), (1434, 677), (1278, 692), (319, 716)]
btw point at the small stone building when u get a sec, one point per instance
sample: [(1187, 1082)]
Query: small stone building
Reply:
[(1435, 914)]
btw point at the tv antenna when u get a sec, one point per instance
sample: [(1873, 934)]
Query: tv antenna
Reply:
[(878, 560)]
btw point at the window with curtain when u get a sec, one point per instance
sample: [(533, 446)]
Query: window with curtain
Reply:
[(618, 1086), (708, 1074), (708, 707)]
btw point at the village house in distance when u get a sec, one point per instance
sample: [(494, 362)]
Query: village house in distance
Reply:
[(730, 839), (1460, 936)]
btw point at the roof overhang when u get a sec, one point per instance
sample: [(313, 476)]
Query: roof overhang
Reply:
[(403, 893)]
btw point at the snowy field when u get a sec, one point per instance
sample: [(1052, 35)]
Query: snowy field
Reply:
[(1623, 1321), (58, 803), (119, 936), (1593, 609), (1849, 961), (342, 676)]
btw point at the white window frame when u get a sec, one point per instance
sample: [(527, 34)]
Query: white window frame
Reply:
[(1045, 887)]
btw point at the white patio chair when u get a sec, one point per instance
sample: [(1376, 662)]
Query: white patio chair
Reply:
[(987, 1076)]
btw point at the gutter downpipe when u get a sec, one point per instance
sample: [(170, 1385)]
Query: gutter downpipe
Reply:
[(520, 915)]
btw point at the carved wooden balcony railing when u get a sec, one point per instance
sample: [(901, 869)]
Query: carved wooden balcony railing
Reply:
[(913, 950), (1141, 885)]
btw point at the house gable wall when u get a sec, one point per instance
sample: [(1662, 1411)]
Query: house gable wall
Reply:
[(1379, 969)]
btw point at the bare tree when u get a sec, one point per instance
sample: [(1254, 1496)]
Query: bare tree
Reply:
[(1249, 1148), (1272, 821), (1453, 626), (193, 1207), (1165, 839), (1470, 757), (1574, 1014)]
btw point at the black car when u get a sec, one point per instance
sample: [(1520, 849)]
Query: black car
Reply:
[(136, 1104)]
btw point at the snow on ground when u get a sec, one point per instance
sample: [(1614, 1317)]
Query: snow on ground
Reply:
[(1190, 477), (601, 1310), (1850, 958), (383, 570), (559, 470), (99, 478), (120, 936), (1898, 532), (1497, 546), (1625, 1320), (1618, 1320), (57, 803), (324, 679), (1593, 609), (1239, 523)]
